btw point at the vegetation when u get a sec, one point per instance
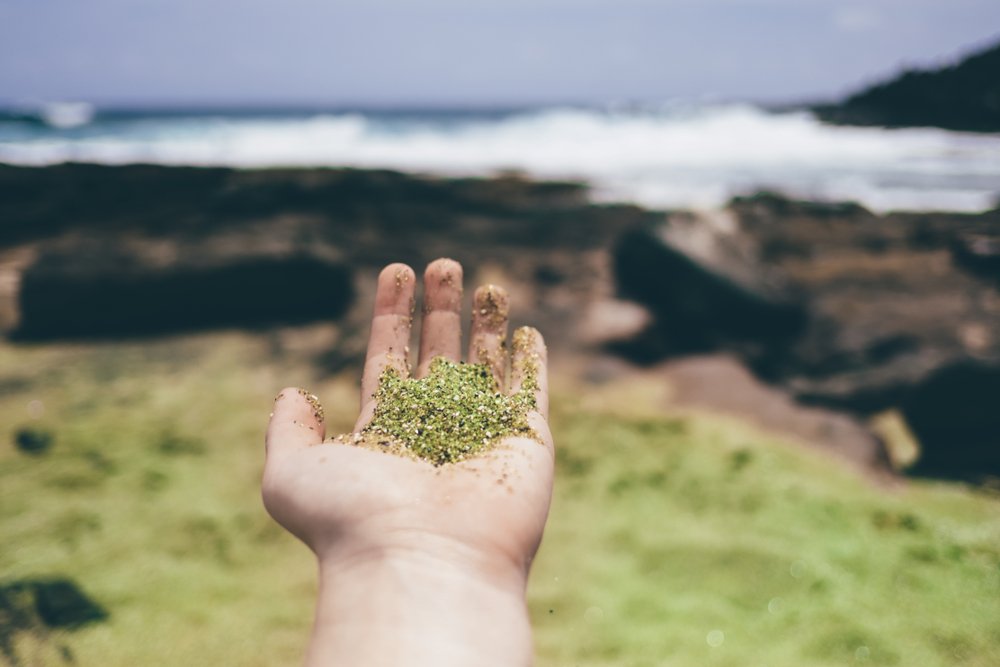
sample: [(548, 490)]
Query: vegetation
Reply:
[(961, 96), (673, 539)]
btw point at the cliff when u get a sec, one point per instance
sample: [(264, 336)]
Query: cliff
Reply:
[(964, 96)]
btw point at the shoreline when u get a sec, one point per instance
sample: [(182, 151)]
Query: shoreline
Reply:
[(853, 313), (660, 157)]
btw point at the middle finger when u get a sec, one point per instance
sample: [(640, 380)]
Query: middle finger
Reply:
[(441, 329)]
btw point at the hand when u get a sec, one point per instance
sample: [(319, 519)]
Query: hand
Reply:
[(432, 548)]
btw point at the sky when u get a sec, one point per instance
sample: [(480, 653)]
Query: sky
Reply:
[(471, 52)]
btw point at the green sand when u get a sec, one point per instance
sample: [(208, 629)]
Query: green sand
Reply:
[(672, 540), (453, 413)]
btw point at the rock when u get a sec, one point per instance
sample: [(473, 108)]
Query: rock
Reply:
[(117, 288), (893, 303), (33, 441), (62, 604), (888, 306), (904, 309), (701, 280), (964, 96), (828, 303), (36, 606), (978, 253), (155, 221), (954, 416), (770, 203), (609, 320)]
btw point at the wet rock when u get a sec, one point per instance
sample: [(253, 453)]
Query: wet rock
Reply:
[(888, 306), (35, 606), (33, 441), (771, 203), (115, 289), (894, 305), (705, 287), (62, 604), (954, 416), (978, 253)]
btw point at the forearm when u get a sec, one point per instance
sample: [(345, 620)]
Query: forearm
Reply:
[(418, 610)]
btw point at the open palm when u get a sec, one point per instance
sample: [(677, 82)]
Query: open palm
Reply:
[(351, 502)]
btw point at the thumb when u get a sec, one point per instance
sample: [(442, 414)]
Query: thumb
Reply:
[(296, 423)]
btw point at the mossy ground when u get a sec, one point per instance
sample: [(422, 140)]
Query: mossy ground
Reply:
[(667, 534)]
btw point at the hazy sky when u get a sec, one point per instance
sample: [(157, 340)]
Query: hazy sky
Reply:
[(470, 51)]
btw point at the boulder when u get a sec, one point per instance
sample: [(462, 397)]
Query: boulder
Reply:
[(954, 416), (33, 441), (116, 289), (902, 311), (34, 607), (888, 307), (701, 280), (978, 253)]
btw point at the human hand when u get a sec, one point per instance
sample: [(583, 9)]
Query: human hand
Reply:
[(454, 541)]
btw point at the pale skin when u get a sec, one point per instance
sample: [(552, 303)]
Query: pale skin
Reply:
[(419, 565)]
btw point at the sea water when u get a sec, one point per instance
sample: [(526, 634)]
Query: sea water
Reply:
[(694, 156)]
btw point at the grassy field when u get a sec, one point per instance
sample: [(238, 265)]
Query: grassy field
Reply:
[(673, 540)]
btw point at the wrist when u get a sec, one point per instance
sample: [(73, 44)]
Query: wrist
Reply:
[(398, 606)]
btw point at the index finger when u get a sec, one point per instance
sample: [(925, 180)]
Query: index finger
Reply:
[(388, 343)]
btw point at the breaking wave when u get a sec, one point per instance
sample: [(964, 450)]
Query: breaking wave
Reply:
[(669, 157)]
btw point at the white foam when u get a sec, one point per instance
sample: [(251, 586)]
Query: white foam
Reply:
[(675, 158), (64, 115)]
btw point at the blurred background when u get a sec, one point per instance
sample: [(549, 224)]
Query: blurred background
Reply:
[(762, 239)]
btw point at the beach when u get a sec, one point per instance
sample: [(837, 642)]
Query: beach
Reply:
[(754, 380), (839, 307), (605, 334)]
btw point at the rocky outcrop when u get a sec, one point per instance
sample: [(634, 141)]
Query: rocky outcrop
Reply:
[(148, 249), (838, 307), (703, 282), (831, 305), (954, 416), (964, 96), (978, 252), (34, 607), (114, 289)]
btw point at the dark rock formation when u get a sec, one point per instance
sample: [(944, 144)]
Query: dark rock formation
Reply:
[(964, 96), (893, 302), (43, 203), (33, 441), (890, 307), (895, 305), (125, 250), (167, 202), (61, 603), (979, 253), (954, 415), (93, 291), (34, 606), (832, 305), (705, 288)]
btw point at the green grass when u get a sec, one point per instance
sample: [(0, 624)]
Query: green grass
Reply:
[(667, 533)]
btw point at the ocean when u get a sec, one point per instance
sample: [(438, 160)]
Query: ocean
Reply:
[(670, 155)]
